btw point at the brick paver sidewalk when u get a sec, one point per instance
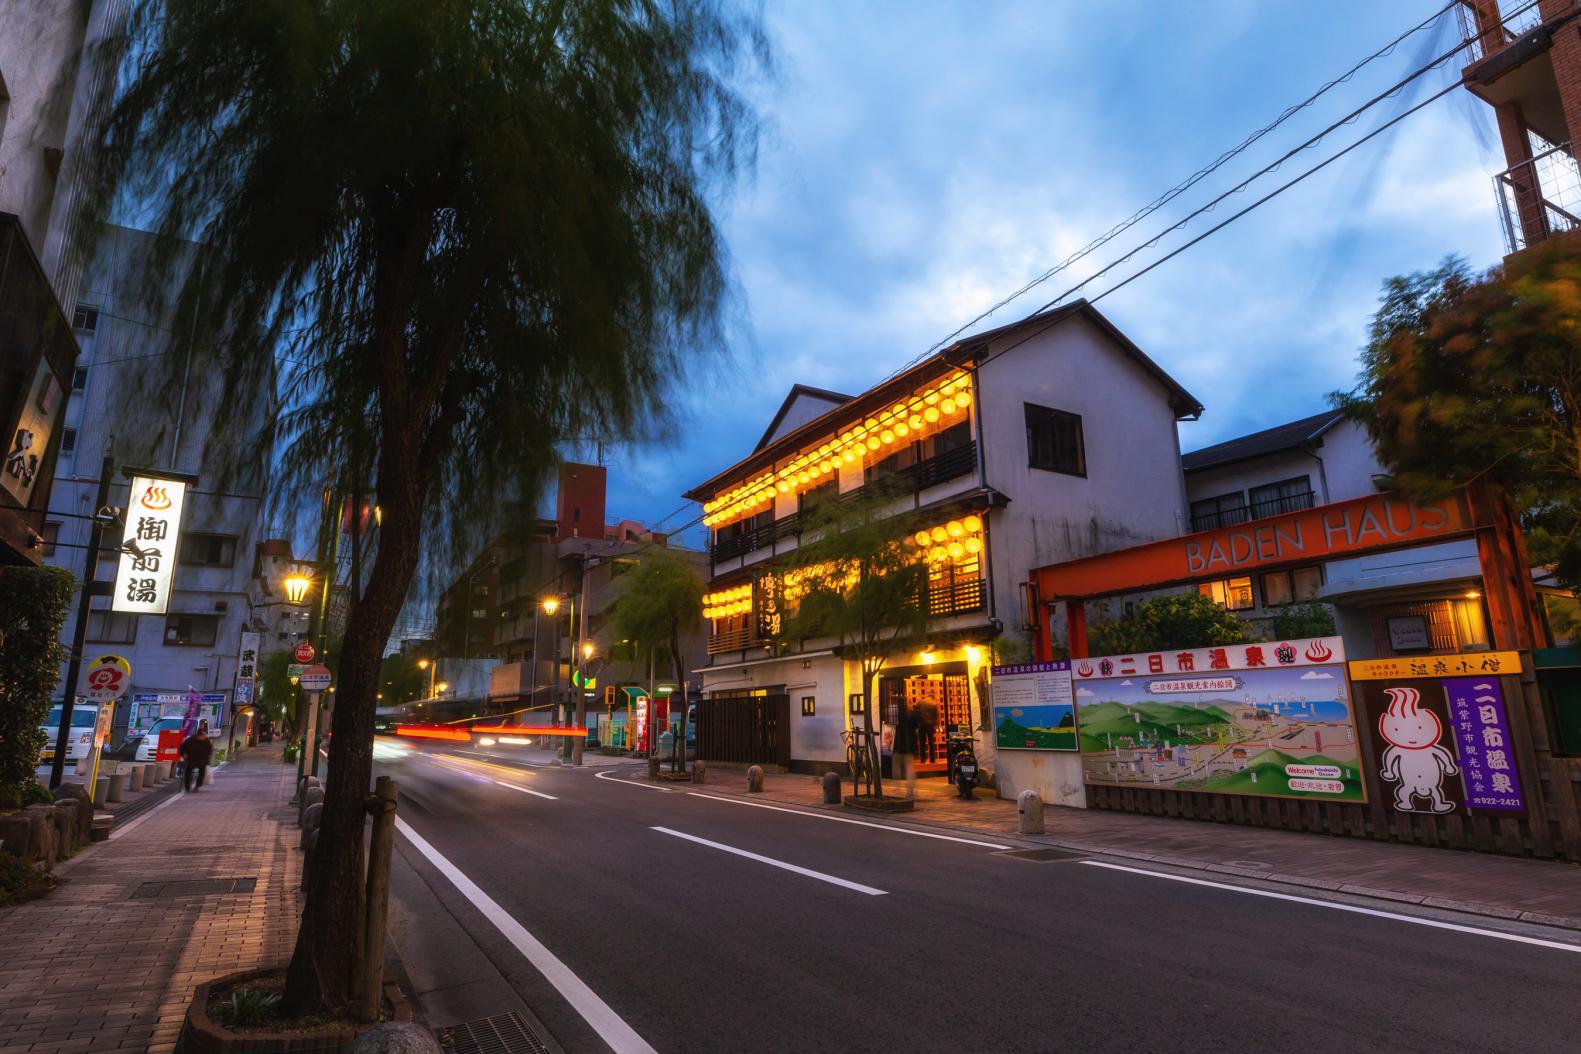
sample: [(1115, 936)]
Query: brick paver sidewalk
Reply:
[(106, 962), (1505, 887)]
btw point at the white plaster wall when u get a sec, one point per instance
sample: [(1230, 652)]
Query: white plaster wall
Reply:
[(1054, 775), (1348, 466), (1254, 472), (1349, 462), (807, 407)]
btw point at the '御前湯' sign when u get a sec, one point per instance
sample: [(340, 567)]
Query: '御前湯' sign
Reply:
[(1034, 708), (1269, 719)]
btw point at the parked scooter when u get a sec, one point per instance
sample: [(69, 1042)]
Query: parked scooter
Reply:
[(961, 748)]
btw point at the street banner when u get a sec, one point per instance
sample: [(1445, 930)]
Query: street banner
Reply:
[(189, 723), (1271, 720), (148, 546), (1034, 707), (1482, 736)]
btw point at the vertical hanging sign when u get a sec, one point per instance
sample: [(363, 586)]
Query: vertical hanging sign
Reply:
[(148, 548)]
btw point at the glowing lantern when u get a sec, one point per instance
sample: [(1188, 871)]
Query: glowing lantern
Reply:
[(973, 545), (901, 430), (915, 422), (923, 539), (939, 534), (873, 443), (938, 554), (948, 406), (963, 398), (955, 529), (974, 524), (957, 550), (931, 414), (888, 437)]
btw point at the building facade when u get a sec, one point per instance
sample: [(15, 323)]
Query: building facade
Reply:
[(1047, 439)]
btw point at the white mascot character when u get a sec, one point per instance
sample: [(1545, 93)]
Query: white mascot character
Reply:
[(1414, 758)]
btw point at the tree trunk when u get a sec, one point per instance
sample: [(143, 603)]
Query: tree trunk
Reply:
[(321, 970)]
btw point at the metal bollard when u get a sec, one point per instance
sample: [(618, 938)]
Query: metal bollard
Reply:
[(653, 768), (1029, 809), (755, 779), (117, 782), (831, 788)]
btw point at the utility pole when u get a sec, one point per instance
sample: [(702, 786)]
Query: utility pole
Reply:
[(579, 739), (91, 588)]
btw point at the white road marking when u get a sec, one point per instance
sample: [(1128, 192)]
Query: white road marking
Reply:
[(847, 819), (524, 790), (819, 875), (611, 776), (1337, 906), (621, 1037)]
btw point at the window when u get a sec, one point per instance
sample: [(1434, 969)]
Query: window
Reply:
[(1288, 495), (208, 550), (1232, 594), (51, 536), (1287, 587), (903, 458), (1054, 441), (68, 441), (952, 438), (85, 319), (112, 627), (813, 497), (191, 630), (1224, 510), (480, 613), (809, 705), (79, 378)]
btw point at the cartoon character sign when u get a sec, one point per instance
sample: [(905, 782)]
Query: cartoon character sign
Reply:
[(1414, 758)]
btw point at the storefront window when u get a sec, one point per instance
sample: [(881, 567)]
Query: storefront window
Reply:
[(1285, 587), (1232, 594)]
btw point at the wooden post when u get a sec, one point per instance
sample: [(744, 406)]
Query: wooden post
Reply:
[(376, 902)]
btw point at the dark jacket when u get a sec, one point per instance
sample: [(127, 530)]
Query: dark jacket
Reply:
[(197, 750)]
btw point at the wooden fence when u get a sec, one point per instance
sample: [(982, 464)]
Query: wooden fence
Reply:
[(747, 730)]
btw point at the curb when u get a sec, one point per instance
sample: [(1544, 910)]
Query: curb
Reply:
[(1426, 900)]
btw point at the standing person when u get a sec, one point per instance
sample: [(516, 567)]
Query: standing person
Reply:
[(927, 726), (904, 748), (196, 750)]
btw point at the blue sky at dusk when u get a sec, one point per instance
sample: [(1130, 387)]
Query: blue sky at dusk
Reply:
[(922, 160)]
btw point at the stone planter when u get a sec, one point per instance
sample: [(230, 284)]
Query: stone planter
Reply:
[(885, 804), (201, 1034)]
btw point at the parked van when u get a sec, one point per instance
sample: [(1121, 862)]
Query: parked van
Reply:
[(84, 716)]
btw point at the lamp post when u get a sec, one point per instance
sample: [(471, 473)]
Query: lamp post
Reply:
[(551, 606), (432, 666), (296, 585)]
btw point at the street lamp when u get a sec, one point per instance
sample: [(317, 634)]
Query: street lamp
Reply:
[(443, 687), (587, 650), (433, 668), (296, 587)]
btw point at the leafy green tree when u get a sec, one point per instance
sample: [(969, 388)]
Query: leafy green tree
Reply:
[(33, 604), (661, 601), (858, 579), (1470, 379), (466, 233), (1300, 619), (276, 691), (1173, 620)]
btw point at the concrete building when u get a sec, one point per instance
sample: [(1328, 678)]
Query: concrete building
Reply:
[(121, 326), (1044, 440)]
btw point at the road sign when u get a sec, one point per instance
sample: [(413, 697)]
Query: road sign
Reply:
[(106, 679), (295, 669), (303, 652), (316, 678)]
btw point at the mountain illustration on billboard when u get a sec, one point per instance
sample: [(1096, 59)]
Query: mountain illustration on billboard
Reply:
[(1269, 768), (1059, 734), (1151, 722)]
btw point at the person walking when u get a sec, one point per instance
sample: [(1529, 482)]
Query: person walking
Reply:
[(927, 730), (196, 750)]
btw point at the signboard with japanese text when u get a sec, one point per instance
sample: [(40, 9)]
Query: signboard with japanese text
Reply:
[(169, 746), (1443, 744), (149, 707), (148, 547), (1409, 633), (28, 439), (1469, 664), (1271, 719), (1034, 707), (247, 668)]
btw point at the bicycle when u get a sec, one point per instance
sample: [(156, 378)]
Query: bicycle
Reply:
[(859, 758)]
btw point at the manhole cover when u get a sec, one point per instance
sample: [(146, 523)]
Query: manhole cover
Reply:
[(198, 887), (1042, 856), (501, 1034)]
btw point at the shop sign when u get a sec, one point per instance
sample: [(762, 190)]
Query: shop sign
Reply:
[(1403, 667), (1487, 751), (1270, 720), (148, 546), (149, 707), (28, 439), (1034, 707), (106, 679), (1313, 651)]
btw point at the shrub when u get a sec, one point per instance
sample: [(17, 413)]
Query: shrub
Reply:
[(249, 1008), (33, 603), (1303, 618), (20, 880), (1176, 620)]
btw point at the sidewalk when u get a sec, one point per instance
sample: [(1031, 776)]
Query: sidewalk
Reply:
[(1499, 886), (109, 960)]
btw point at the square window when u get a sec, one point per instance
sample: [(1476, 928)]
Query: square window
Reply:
[(79, 378), (85, 319), (1054, 441), (1276, 589), (68, 441), (1232, 594), (51, 536), (208, 550), (808, 705), (112, 627), (1305, 582), (191, 630)]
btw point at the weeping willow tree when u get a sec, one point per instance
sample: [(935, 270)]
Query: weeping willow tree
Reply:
[(466, 233)]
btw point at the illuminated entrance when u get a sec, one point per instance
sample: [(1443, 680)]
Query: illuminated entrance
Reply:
[(929, 700)]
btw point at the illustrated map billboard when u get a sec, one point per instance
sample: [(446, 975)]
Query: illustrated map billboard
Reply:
[(1270, 719)]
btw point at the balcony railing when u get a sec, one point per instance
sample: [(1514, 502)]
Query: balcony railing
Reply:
[(733, 639), (955, 597), (1539, 197), (1488, 34), (1257, 510)]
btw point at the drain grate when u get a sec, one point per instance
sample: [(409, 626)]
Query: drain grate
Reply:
[(501, 1034), (197, 887), (1043, 856)]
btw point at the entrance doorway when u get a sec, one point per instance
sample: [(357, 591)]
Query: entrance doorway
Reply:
[(908, 698)]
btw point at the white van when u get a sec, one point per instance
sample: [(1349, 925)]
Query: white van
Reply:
[(150, 744), (84, 717)]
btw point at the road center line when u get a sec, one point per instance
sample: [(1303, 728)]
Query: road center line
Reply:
[(1337, 906), (605, 775), (524, 790), (819, 875), (847, 819), (621, 1037)]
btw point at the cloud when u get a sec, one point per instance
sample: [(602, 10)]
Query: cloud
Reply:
[(1313, 675), (1082, 693)]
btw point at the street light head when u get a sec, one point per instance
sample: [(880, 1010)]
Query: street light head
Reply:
[(587, 649), (551, 605), (296, 680), (296, 587), (442, 686), (422, 664)]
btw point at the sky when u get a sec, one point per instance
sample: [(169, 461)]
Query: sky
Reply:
[(920, 160)]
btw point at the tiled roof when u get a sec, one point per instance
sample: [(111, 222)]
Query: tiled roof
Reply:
[(1269, 441)]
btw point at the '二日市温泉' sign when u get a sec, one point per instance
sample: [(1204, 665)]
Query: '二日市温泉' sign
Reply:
[(148, 547), (1313, 651)]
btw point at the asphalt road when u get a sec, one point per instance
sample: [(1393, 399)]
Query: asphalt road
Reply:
[(889, 941)]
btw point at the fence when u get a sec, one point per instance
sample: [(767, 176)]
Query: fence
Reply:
[(747, 730)]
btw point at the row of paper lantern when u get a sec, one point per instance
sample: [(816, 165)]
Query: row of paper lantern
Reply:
[(727, 602), (934, 407), (955, 540)]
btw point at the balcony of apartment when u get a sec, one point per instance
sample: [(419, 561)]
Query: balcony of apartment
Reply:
[(1539, 197), (1510, 63), (1257, 509)]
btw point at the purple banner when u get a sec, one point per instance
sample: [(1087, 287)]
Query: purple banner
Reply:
[(189, 722), (1482, 739)]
